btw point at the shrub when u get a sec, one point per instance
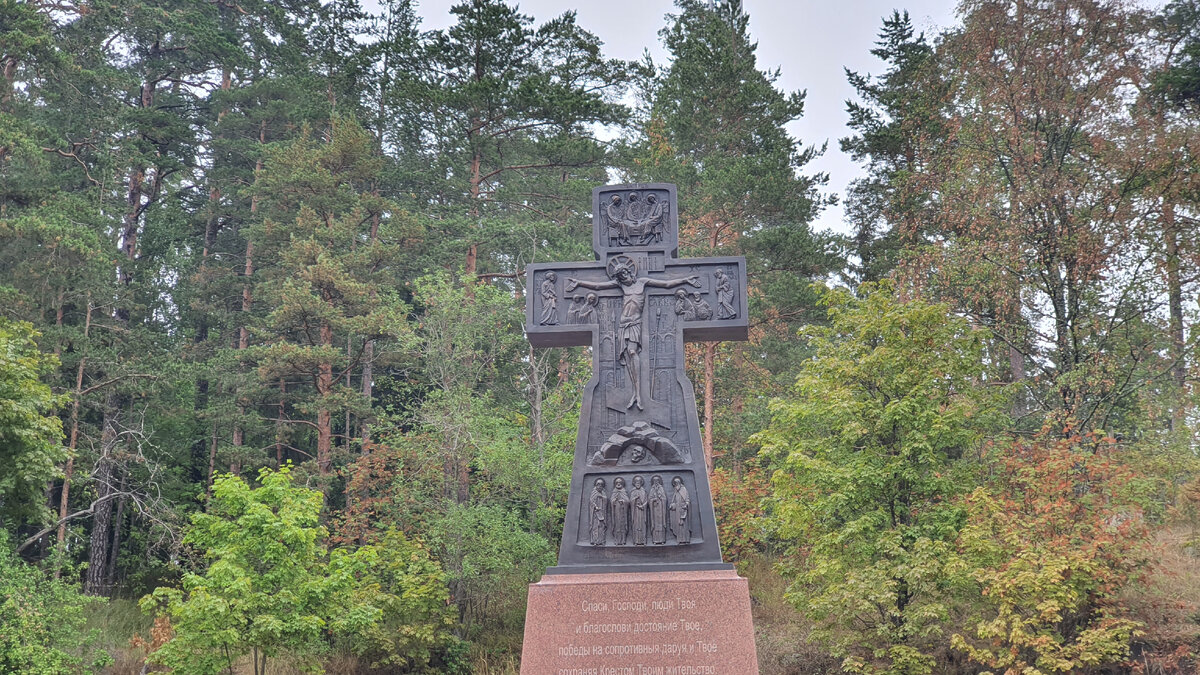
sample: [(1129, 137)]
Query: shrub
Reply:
[(1051, 541), (42, 621)]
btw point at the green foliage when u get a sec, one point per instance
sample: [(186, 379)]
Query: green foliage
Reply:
[(272, 586), (895, 118), (30, 435), (42, 622), (409, 587), (864, 452), (1180, 81), (741, 523), (490, 558), (1052, 540)]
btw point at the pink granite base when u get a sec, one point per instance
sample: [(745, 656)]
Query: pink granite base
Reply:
[(654, 623)]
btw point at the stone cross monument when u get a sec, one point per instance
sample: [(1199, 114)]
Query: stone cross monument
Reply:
[(639, 499)]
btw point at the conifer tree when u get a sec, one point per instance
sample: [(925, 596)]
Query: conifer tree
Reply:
[(896, 114), (504, 119)]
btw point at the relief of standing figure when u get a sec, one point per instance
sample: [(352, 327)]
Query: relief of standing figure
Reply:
[(724, 289), (638, 502), (599, 513), (680, 505), (620, 512), (549, 300), (658, 511)]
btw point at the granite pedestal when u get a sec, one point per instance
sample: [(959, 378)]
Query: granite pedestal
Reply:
[(652, 623)]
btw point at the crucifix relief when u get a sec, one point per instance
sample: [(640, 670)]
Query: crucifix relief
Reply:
[(635, 306)]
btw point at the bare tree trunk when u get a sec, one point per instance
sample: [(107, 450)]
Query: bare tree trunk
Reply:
[(324, 418), (97, 569), (476, 182), (72, 438), (118, 520), (1174, 296), (368, 376), (239, 432), (280, 429), (212, 457), (346, 435), (537, 421)]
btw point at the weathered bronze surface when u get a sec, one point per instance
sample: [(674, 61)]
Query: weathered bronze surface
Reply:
[(635, 306)]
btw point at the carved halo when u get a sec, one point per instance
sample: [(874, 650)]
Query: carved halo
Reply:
[(617, 262)]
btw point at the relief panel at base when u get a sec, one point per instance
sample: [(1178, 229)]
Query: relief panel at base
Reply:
[(639, 509)]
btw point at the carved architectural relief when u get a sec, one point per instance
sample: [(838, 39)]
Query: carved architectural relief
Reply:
[(639, 444), (549, 293), (598, 514), (638, 502), (691, 306), (623, 275), (583, 309), (658, 511), (681, 505)]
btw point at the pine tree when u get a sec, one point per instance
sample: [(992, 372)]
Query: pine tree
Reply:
[(504, 123), (324, 274), (896, 114)]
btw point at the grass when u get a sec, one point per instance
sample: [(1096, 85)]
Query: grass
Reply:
[(781, 632), (1168, 603), (116, 622)]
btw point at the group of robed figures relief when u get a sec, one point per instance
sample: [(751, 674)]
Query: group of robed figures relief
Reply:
[(639, 512)]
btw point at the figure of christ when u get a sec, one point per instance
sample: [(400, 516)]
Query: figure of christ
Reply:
[(680, 504), (598, 504), (622, 273), (658, 511), (620, 512), (637, 510)]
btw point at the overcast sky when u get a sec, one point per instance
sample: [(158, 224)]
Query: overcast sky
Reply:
[(809, 40)]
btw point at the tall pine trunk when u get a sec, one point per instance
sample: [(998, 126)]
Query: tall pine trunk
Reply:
[(710, 376), (72, 437), (324, 390), (96, 576)]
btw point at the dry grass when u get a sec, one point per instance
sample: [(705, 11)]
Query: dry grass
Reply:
[(1168, 603), (780, 632)]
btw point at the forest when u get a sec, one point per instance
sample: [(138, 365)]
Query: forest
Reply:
[(266, 405)]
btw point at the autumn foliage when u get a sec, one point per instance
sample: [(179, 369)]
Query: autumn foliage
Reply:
[(1052, 540)]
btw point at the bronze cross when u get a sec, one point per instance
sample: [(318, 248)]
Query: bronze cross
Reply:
[(639, 496)]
